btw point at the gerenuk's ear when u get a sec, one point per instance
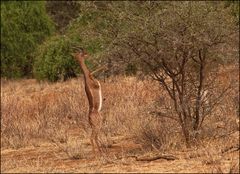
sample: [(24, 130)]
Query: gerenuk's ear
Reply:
[(73, 54)]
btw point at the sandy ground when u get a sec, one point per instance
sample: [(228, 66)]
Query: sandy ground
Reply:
[(50, 158)]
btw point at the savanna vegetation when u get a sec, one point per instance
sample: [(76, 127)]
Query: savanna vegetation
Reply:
[(170, 84)]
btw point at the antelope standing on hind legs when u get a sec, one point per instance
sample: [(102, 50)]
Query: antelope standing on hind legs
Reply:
[(94, 95)]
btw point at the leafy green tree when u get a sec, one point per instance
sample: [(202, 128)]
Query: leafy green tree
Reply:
[(53, 60), (24, 24)]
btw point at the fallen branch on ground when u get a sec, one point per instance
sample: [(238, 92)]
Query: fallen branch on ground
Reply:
[(166, 157)]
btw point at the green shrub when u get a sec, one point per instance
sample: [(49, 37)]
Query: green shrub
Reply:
[(24, 25), (54, 61)]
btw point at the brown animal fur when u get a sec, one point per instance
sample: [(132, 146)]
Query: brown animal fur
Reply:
[(93, 92)]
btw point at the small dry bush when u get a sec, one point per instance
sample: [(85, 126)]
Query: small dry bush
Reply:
[(154, 134), (232, 168), (74, 148)]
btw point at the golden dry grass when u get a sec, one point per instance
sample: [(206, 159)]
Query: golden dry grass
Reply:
[(44, 128)]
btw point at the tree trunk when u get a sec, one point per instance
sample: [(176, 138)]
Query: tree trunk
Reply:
[(187, 128), (187, 137)]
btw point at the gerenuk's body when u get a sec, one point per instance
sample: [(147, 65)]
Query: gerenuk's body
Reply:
[(94, 95)]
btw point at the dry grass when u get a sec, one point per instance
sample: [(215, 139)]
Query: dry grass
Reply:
[(36, 113)]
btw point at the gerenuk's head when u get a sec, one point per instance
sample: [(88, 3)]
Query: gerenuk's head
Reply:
[(80, 54)]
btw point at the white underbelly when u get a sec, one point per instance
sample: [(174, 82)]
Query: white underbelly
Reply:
[(100, 97)]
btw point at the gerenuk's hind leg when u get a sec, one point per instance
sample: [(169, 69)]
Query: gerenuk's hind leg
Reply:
[(95, 122), (94, 138)]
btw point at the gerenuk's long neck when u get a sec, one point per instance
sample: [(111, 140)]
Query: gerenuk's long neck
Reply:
[(85, 70)]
